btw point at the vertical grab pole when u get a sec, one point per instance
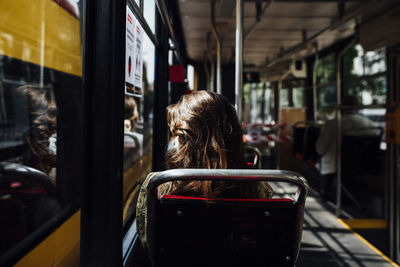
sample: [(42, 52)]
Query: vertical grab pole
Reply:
[(212, 67), (339, 138), (239, 58), (314, 81), (205, 65), (339, 56), (218, 40)]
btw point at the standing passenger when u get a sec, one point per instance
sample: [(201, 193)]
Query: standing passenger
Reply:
[(352, 124), (206, 134)]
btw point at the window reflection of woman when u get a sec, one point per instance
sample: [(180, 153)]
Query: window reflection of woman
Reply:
[(31, 196), (41, 135)]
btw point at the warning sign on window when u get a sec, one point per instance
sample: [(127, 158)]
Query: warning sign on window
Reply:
[(133, 55)]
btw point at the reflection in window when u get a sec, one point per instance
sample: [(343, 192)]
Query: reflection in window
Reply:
[(38, 100), (28, 194)]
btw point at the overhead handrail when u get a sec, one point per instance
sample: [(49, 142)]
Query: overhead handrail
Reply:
[(162, 8), (258, 19), (337, 23), (239, 58), (218, 41)]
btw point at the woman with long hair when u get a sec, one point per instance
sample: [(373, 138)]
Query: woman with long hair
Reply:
[(205, 133), (41, 133)]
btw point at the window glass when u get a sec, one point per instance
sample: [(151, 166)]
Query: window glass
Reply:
[(138, 126), (41, 116), (370, 90), (326, 87), (357, 62), (326, 101), (365, 77), (269, 108), (149, 13), (364, 74), (284, 97), (298, 97), (261, 104), (325, 71), (246, 102)]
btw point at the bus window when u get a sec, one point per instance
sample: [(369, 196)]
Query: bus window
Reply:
[(138, 125), (40, 119), (326, 87), (298, 97), (365, 75), (149, 13)]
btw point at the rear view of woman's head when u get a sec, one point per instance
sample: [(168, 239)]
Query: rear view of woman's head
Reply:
[(42, 125), (205, 133)]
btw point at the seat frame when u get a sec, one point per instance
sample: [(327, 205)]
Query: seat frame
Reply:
[(297, 204)]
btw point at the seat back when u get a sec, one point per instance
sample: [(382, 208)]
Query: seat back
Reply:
[(194, 231), (253, 157), (360, 153), (310, 139), (298, 140)]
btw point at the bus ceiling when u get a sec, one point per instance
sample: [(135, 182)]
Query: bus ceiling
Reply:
[(276, 32)]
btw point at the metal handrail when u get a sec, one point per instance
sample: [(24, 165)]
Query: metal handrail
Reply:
[(162, 8), (227, 175), (218, 41)]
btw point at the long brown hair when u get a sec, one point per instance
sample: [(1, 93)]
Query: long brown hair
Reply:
[(42, 124), (206, 134)]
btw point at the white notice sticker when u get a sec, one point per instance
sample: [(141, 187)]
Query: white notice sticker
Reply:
[(130, 52), (138, 59)]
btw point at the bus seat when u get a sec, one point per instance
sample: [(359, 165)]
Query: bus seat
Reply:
[(299, 131), (298, 141), (310, 139), (360, 154), (253, 157), (194, 231)]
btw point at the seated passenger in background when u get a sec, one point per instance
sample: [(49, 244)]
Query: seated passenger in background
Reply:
[(352, 123), (205, 133), (131, 138)]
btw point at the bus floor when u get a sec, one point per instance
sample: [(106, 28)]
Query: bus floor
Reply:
[(362, 220), (328, 241)]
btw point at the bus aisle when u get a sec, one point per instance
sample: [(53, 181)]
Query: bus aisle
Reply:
[(328, 241)]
